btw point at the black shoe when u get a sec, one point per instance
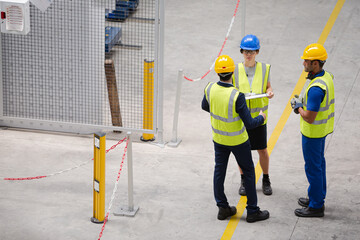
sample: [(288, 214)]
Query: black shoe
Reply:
[(309, 212), (242, 190), (258, 216), (266, 186), (224, 213), (304, 202)]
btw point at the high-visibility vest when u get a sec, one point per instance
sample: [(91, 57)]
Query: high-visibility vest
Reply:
[(258, 86), (324, 121), (227, 127)]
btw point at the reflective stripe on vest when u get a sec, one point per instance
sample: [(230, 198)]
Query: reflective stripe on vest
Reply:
[(324, 121), (228, 130), (229, 133), (318, 122), (254, 110)]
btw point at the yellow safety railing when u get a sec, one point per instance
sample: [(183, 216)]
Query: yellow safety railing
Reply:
[(99, 178), (148, 100)]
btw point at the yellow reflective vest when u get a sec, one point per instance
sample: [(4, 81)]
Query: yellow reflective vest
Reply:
[(227, 127), (258, 86), (324, 121)]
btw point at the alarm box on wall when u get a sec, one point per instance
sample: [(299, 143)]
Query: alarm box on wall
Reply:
[(15, 16)]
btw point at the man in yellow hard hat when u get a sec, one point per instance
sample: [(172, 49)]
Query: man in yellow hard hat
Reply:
[(229, 119), (317, 109)]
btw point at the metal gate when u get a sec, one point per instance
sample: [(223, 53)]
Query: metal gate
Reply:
[(85, 66)]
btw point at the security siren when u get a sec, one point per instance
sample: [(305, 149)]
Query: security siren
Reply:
[(15, 16)]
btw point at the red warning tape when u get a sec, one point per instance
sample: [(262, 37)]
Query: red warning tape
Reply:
[(114, 191), (26, 178), (39, 177), (222, 47)]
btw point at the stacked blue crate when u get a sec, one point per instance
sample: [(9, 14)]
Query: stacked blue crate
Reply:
[(131, 4), (122, 10), (112, 37), (119, 14)]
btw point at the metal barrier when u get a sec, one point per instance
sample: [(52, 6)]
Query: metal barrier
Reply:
[(129, 210), (175, 141), (148, 100), (99, 178), (99, 181), (54, 79)]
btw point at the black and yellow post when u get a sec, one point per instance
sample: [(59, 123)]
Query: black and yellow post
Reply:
[(99, 178), (148, 100)]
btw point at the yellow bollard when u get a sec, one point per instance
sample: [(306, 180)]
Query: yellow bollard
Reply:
[(148, 100), (99, 178)]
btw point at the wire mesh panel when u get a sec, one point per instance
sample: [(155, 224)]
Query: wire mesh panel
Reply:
[(81, 66)]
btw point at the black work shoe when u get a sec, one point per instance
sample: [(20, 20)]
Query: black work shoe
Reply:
[(258, 216), (242, 190), (304, 202), (309, 212), (266, 186), (224, 213)]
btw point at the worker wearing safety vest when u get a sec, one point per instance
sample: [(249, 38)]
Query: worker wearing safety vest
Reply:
[(251, 78), (316, 108), (229, 119)]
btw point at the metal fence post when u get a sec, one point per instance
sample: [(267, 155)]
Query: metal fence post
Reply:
[(1, 84), (148, 100), (175, 141), (130, 210), (160, 72), (99, 178), (243, 12)]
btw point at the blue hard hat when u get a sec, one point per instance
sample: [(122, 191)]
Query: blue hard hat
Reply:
[(250, 42)]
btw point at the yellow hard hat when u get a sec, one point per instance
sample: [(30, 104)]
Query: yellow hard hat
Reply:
[(314, 51), (224, 64)]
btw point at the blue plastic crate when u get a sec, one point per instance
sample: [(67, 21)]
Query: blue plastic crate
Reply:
[(131, 5), (134, 1), (112, 37), (119, 14)]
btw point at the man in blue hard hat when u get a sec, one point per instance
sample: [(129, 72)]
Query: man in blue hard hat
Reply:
[(252, 77)]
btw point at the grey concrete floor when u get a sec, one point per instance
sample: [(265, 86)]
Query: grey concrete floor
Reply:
[(173, 186)]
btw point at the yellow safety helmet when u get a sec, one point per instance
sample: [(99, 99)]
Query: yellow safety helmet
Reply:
[(224, 64), (314, 51)]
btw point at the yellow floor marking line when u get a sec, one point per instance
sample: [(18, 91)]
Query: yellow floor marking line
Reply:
[(233, 222)]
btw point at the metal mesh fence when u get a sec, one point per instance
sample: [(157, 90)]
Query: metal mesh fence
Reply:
[(83, 62)]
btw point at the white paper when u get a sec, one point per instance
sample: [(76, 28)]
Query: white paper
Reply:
[(253, 96), (42, 4), (14, 20)]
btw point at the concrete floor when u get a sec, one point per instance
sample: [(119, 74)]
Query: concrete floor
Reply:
[(173, 186)]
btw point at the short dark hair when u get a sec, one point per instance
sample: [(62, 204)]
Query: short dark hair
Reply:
[(321, 63), (242, 50), (225, 76)]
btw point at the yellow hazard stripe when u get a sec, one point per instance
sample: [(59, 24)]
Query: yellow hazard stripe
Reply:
[(233, 222)]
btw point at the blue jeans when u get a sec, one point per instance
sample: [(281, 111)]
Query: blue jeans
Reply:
[(243, 157), (315, 169)]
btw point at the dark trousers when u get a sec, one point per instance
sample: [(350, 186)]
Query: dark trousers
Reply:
[(243, 157), (315, 169)]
